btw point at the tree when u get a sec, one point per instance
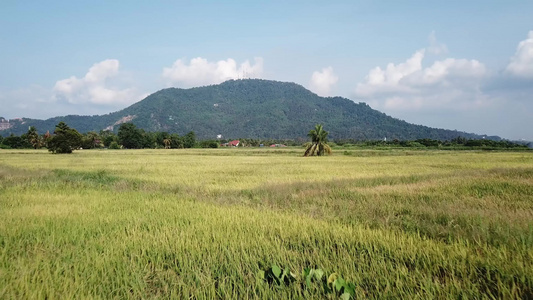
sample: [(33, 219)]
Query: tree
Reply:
[(65, 139), (167, 142), (33, 137), (107, 137), (209, 144), (160, 138), (318, 145), (91, 140), (114, 145), (189, 140), (130, 137), (46, 138), (15, 142), (176, 141)]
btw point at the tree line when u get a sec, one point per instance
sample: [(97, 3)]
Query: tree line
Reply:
[(458, 143), (65, 140)]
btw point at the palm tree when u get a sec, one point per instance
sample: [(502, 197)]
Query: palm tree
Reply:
[(318, 145), (167, 143)]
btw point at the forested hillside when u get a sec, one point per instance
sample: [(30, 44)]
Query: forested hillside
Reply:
[(250, 108)]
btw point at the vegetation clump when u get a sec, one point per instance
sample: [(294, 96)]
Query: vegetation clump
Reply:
[(319, 142), (315, 281), (65, 139)]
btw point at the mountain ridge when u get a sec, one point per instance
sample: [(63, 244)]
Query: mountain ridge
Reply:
[(249, 108)]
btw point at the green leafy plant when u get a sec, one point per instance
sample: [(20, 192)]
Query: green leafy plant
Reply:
[(277, 275), (336, 284), (312, 275), (332, 284)]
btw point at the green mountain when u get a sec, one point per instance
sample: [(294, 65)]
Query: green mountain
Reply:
[(249, 108)]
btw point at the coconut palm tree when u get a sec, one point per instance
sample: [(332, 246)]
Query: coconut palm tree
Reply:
[(318, 145), (167, 143)]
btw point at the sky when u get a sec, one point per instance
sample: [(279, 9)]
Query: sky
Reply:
[(464, 65)]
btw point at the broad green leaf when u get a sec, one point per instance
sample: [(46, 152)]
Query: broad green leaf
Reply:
[(261, 274), (318, 274), (339, 284), (349, 288), (345, 296), (276, 271)]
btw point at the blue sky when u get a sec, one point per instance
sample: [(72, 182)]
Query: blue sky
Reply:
[(465, 65)]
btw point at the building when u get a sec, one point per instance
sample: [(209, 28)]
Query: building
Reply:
[(4, 124)]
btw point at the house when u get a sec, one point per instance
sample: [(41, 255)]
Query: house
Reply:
[(4, 124), (234, 143)]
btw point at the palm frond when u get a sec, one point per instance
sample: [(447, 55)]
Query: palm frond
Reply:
[(327, 148)]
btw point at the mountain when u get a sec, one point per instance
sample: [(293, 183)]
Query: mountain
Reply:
[(249, 108)]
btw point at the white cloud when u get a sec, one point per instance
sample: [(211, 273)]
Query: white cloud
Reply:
[(435, 47), (448, 73), (95, 87), (450, 83), (199, 71), (321, 82), (388, 80), (455, 93), (522, 62)]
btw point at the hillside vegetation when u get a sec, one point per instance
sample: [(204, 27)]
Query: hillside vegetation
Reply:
[(250, 108), (204, 223)]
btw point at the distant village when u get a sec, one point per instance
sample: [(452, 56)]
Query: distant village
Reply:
[(236, 143)]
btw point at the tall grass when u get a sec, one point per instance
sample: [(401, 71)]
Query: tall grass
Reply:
[(202, 223)]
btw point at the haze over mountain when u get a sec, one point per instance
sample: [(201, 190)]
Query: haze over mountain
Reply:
[(249, 108)]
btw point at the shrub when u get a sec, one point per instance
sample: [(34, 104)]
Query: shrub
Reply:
[(114, 145)]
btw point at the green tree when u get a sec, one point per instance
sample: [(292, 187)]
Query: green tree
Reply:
[(149, 139), (130, 137), (14, 142), (209, 144), (189, 140), (176, 141), (160, 138), (114, 145), (107, 137), (318, 145), (33, 137), (91, 140), (65, 139)]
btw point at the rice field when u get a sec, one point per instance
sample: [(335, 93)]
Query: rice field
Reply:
[(203, 223)]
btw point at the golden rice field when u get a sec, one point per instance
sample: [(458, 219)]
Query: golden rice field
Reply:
[(203, 223)]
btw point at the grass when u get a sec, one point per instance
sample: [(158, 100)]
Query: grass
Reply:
[(203, 223)]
